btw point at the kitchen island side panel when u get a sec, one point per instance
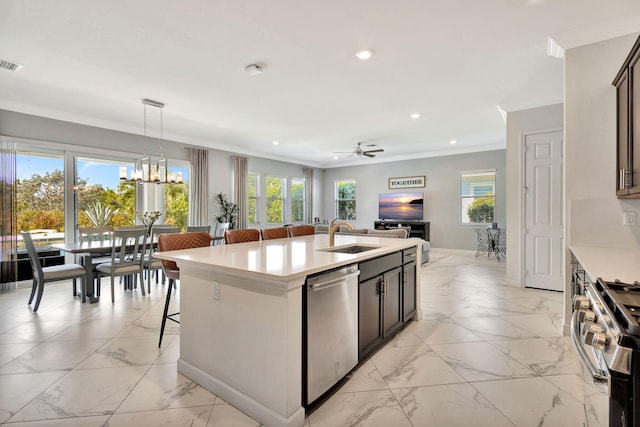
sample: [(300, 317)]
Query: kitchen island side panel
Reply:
[(249, 340)]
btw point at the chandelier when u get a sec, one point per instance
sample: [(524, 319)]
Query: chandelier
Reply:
[(145, 170)]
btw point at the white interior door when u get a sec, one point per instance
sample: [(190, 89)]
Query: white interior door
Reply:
[(544, 257)]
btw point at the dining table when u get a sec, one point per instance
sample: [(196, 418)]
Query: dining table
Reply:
[(86, 250)]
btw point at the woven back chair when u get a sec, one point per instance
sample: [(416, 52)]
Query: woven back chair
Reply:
[(174, 242), (241, 236), (274, 233), (301, 230)]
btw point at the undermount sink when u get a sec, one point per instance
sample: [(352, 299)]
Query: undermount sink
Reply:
[(350, 249)]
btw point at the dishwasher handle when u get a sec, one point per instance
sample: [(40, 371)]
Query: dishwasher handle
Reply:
[(334, 282)]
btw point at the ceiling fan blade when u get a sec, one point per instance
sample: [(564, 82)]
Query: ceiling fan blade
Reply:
[(366, 153), (379, 150)]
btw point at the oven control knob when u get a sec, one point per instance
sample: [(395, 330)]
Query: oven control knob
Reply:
[(606, 319), (589, 335), (580, 302), (589, 317), (598, 306), (614, 334), (599, 340)]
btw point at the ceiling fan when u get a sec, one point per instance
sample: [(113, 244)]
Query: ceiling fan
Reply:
[(358, 151)]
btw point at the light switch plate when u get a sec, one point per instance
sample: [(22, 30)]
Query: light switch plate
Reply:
[(628, 218)]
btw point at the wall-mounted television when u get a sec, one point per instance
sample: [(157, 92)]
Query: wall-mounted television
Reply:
[(401, 206)]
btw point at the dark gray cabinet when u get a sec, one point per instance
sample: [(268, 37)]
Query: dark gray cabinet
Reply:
[(386, 298), (409, 272), (627, 83)]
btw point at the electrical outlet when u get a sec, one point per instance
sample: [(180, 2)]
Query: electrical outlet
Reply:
[(628, 218), (216, 290)]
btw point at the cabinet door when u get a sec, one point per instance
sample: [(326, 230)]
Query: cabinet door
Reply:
[(391, 301), (408, 291), (634, 118), (369, 310), (622, 113)]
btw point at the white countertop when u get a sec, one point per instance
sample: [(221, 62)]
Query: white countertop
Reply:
[(609, 263), (285, 259)]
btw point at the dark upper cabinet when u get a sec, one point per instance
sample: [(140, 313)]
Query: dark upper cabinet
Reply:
[(627, 83)]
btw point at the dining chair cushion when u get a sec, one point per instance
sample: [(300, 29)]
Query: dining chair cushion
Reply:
[(59, 272), (118, 270)]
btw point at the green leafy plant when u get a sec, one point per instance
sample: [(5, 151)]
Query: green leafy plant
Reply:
[(228, 210), (100, 215), (481, 210), (148, 219)]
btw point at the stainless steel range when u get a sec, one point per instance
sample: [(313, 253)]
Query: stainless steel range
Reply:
[(605, 329)]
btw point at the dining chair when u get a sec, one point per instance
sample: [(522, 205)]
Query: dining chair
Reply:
[(274, 233), (126, 257), (218, 233), (173, 242), (198, 228), (150, 263), (42, 275), (241, 236), (301, 230), (97, 235)]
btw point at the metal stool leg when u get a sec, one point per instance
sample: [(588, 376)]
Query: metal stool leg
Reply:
[(165, 315)]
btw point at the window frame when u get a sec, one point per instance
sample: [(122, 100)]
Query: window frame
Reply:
[(282, 199), (257, 198), (338, 200), (292, 181), (462, 197)]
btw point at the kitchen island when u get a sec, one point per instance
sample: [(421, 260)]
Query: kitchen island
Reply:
[(241, 316)]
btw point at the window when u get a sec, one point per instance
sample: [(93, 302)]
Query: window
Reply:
[(252, 202), (345, 192), (40, 195), (103, 199), (176, 201), (477, 196), (275, 199), (297, 199)]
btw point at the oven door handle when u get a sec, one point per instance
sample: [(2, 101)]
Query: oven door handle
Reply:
[(596, 373)]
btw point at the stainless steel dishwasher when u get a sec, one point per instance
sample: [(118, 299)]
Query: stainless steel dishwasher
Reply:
[(332, 329)]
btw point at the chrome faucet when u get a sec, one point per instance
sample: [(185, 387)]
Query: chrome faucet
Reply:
[(332, 229)]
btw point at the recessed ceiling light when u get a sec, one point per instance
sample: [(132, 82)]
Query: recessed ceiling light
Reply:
[(364, 54), (335, 157), (275, 142), (453, 141), (415, 115)]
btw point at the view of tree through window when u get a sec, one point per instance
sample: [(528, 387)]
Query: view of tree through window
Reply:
[(275, 198), (477, 196), (297, 199), (40, 194), (346, 199), (102, 198)]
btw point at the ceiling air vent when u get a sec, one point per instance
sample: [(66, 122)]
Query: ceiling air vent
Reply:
[(8, 65)]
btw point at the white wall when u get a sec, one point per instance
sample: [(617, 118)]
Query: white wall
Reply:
[(25, 126), (520, 123), (441, 201), (593, 213)]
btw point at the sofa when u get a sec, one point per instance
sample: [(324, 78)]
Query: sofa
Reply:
[(398, 233)]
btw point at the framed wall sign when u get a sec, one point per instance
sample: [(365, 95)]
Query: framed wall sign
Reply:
[(407, 182)]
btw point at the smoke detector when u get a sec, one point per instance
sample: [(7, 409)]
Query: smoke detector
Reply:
[(8, 65), (253, 69)]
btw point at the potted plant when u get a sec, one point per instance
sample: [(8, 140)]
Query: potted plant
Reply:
[(148, 219), (100, 215), (228, 210)]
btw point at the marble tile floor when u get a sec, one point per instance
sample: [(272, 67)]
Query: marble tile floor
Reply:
[(483, 355)]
